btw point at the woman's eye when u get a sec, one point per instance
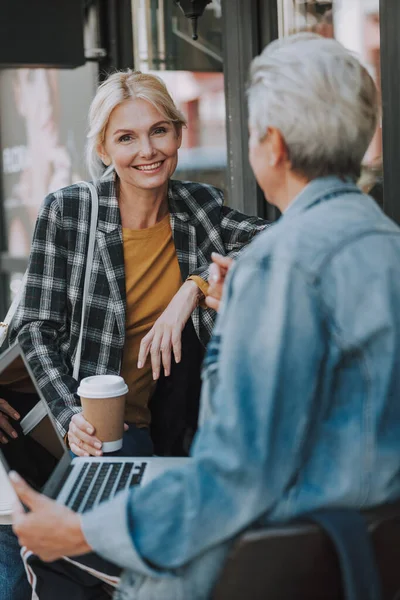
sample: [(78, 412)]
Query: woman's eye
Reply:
[(125, 138), (160, 130)]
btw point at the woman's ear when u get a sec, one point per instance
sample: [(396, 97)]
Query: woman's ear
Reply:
[(102, 154), (179, 135)]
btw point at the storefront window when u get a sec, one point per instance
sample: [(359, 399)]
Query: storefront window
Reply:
[(354, 23), (42, 141), (192, 71)]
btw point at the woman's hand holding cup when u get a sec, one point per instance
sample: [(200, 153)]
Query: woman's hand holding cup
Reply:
[(81, 438)]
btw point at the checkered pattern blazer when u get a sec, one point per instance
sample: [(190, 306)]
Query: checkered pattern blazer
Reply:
[(47, 322)]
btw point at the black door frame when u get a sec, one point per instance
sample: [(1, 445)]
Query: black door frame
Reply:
[(390, 59), (247, 28)]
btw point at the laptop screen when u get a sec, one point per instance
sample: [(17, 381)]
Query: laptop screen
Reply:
[(38, 449)]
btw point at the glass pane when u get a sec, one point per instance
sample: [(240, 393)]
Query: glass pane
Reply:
[(43, 128), (192, 71), (354, 23)]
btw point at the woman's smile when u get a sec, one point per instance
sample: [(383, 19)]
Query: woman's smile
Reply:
[(150, 168)]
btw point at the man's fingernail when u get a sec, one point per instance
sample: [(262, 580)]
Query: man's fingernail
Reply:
[(17, 416), (154, 375), (89, 430), (14, 434), (13, 475), (139, 365), (97, 445)]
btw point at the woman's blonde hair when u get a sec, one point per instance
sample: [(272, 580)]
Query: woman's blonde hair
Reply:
[(120, 86)]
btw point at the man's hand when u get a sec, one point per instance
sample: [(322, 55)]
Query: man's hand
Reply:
[(50, 530), (7, 412), (165, 335), (218, 272)]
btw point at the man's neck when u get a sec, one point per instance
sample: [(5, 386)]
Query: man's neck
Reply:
[(291, 188)]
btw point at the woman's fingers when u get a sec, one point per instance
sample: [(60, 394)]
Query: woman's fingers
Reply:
[(81, 448), (144, 349), (155, 354), (81, 435), (176, 342), (166, 351), (81, 423), (81, 442)]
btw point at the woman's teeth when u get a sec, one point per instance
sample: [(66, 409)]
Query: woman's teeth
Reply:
[(152, 167)]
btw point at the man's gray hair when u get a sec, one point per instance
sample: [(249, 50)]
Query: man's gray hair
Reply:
[(322, 100)]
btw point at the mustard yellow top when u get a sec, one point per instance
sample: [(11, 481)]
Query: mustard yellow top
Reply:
[(152, 278)]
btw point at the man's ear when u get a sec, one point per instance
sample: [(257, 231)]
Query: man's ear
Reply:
[(102, 154), (277, 146)]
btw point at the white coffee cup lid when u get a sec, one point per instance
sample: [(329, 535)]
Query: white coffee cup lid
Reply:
[(102, 386)]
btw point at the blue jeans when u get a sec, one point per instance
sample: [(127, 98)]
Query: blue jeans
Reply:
[(136, 442), (13, 582)]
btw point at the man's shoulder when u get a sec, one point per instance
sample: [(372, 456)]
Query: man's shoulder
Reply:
[(311, 238)]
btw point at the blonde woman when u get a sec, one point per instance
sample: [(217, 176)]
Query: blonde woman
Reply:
[(153, 246)]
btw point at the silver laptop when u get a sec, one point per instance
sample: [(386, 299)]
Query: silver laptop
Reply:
[(79, 483)]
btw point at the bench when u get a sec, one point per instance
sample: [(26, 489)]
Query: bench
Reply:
[(298, 561)]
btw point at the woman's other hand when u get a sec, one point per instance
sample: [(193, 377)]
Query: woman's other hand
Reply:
[(81, 438), (7, 412), (165, 335), (218, 272)]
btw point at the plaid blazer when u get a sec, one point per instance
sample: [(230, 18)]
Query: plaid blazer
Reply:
[(47, 322)]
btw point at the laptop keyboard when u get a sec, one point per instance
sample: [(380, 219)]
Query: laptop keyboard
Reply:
[(97, 482)]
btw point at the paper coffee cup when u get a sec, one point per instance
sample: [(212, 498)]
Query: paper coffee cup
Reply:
[(103, 404), (37, 425)]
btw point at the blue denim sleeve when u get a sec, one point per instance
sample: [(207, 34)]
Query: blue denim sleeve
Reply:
[(267, 347)]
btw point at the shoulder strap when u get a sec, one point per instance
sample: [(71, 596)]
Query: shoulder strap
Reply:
[(12, 310), (89, 262), (347, 530)]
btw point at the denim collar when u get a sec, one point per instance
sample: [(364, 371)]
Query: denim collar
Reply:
[(320, 190)]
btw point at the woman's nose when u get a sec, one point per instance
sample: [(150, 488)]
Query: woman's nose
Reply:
[(147, 149)]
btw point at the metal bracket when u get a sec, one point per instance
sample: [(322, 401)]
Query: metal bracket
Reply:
[(95, 54)]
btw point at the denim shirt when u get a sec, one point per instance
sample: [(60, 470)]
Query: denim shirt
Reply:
[(301, 396)]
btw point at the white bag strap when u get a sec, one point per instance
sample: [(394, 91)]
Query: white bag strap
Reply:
[(89, 262), (12, 310), (88, 272)]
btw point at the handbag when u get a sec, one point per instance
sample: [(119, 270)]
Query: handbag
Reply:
[(4, 325)]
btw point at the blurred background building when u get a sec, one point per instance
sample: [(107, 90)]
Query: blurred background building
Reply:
[(43, 108)]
